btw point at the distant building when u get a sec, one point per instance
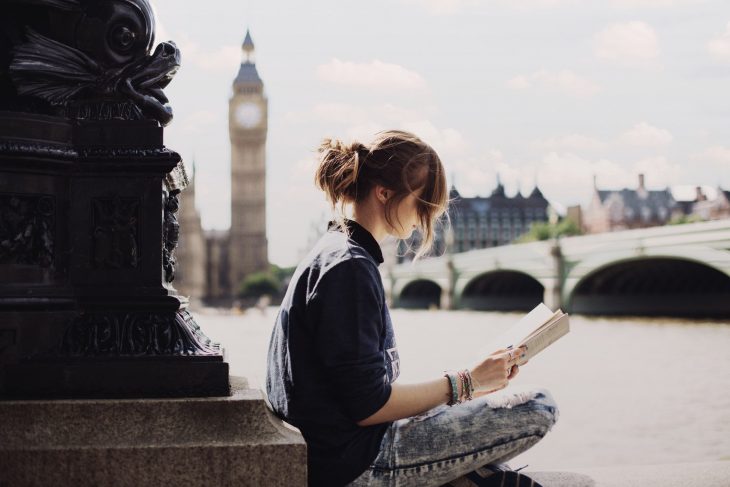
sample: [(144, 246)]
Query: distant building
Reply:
[(481, 222), (190, 272), (712, 209), (212, 264), (611, 210)]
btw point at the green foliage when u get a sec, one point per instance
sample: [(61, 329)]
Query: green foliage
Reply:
[(271, 282), (258, 284), (545, 231), (682, 219)]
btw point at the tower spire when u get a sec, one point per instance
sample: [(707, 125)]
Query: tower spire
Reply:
[(248, 47)]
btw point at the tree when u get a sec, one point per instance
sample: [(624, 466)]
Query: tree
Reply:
[(271, 282), (544, 230), (258, 284), (682, 219)]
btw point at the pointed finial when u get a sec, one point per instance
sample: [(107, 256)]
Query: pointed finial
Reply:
[(248, 47)]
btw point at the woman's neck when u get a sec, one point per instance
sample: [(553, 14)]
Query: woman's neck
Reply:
[(370, 221)]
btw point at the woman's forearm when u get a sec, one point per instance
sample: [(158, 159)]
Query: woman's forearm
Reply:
[(411, 399)]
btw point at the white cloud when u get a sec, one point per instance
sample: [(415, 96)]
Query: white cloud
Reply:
[(568, 178), (361, 122), (375, 74), (570, 143), (632, 43), (719, 47), (443, 7), (200, 120), (220, 58), (644, 135), (476, 175), (563, 81), (718, 156), (446, 7), (654, 3), (658, 172)]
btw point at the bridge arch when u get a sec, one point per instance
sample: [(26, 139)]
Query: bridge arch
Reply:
[(419, 294), (502, 290), (660, 285)]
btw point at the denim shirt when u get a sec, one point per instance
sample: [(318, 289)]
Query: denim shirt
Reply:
[(332, 354)]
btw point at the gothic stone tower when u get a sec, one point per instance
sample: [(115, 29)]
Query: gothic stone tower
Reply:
[(247, 122)]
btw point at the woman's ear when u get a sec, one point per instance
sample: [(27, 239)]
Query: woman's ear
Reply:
[(382, 193)]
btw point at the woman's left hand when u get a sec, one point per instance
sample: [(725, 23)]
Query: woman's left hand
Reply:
[(513, 373)]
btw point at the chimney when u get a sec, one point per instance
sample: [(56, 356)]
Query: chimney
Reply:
[(699, 195), (641, 181)]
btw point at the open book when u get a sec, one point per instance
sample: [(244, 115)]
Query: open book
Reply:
[(537, 330)]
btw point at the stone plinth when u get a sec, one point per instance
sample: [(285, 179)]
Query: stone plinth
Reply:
[(212, 441)]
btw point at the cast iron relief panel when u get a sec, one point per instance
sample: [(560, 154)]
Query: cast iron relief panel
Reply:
[(170, 233), (135, 334), (27, 229), (100, 67), (175, 181), (115, 233)]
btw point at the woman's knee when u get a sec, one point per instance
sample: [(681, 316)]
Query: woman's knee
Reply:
[(545, 407)]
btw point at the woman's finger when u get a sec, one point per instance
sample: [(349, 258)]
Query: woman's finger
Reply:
[(514, 372)]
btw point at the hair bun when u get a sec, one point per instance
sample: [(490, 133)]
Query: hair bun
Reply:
[(338, 169)]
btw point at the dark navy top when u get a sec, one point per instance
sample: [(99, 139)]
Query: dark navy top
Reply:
[(332, 355)]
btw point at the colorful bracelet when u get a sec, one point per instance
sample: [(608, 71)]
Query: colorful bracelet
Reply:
[(469, 385), (454, 389)]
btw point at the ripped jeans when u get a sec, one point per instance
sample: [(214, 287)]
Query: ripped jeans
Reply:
[(447, 442)]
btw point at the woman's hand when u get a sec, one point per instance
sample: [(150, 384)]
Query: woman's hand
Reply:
[(495, 372)]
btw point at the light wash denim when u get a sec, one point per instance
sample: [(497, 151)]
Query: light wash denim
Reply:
[(447, 442)]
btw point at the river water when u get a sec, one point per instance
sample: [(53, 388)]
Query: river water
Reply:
[(629, 390)]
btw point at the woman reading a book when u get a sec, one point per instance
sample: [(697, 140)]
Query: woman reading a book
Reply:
[(333, 360)]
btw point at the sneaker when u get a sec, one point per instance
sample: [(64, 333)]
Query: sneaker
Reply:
[(494, 475)]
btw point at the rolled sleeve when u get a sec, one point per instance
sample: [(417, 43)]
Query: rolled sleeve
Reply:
[(346, 309)]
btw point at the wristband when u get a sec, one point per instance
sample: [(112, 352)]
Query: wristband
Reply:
[(454, 389)]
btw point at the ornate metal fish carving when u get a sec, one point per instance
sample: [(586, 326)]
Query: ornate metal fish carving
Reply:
[(103, 58)]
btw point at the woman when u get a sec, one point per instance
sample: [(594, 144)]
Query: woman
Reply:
[(333, 360)]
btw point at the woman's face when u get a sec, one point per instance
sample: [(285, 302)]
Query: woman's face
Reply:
[(405, 217)]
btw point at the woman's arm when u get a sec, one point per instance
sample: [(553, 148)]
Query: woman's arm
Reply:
[(411, 399), (408, 400)]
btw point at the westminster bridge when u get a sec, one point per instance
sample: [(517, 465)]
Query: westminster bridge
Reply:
[(675, 270)]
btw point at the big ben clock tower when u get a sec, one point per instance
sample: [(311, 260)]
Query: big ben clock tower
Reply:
[(247, 121)]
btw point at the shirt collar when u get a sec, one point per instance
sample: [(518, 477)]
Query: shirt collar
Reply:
[(363, 238)]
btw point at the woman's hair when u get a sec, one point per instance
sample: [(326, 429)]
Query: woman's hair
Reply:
[(395, 159)]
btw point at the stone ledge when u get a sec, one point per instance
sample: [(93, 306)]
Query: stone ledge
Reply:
[(705, 474), (139, 442)]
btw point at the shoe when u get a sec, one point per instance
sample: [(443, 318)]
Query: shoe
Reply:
[(494, 475)]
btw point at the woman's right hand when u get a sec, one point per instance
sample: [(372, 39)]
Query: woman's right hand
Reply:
[(495, 372)]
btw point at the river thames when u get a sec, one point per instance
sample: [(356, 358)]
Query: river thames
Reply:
[(629, 390)]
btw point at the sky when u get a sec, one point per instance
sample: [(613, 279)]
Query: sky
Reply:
[(546, 92)]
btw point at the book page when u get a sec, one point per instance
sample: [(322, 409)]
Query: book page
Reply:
[(523, 328), (545, 337)]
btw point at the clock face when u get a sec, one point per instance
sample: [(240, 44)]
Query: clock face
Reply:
[(248, 114)]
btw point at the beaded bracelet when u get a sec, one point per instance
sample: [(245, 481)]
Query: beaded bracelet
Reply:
[(469, 385), (454, 389)]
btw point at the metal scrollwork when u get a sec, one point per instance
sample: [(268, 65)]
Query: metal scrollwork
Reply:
[(135, 334), (115, 232), (27, 229), (170, 233)]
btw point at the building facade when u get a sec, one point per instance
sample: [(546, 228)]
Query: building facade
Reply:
[(190, 272), (612, 210), (214, 269), (712, 209), (481, 222)]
